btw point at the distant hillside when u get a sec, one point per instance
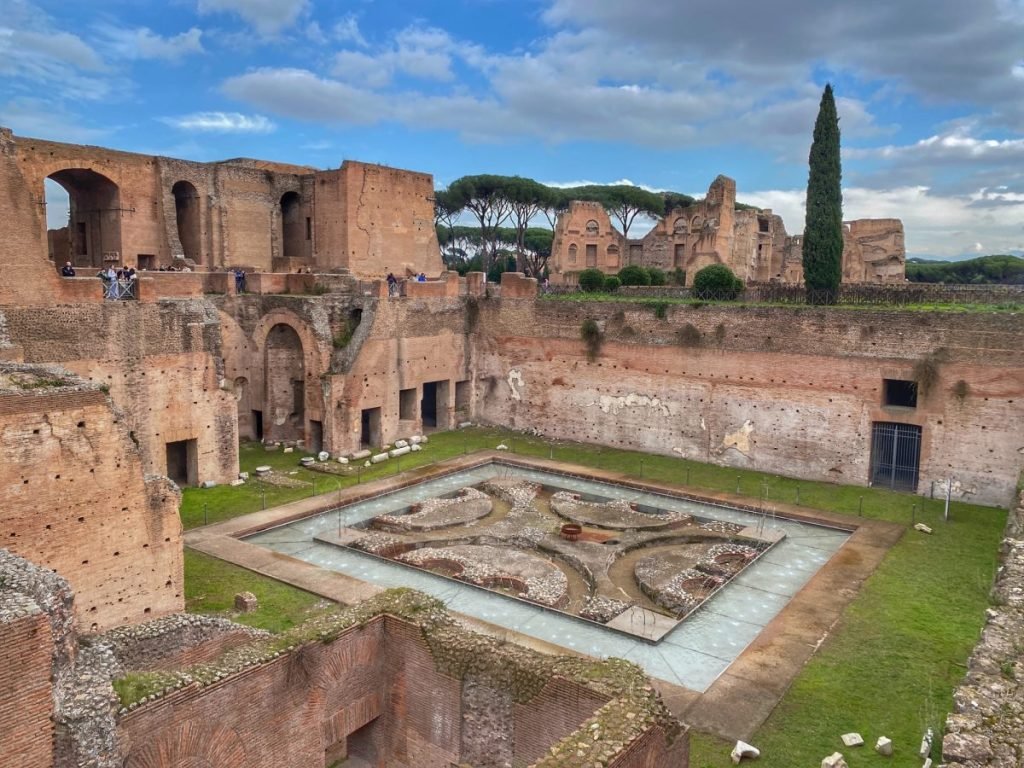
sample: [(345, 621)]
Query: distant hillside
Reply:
[(1001, 269)]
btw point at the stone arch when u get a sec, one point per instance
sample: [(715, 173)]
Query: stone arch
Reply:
[(680, 226), (593, 228), (93, 231), (294, 354), (188, 216), (192, 745), (291, 226), (573, 253), (696, 223)]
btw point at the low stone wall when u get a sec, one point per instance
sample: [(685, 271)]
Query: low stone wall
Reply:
[(986, 728), (176, 641)]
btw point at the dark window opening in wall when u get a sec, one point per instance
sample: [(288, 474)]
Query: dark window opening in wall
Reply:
[(407, 404), (291, 225), (636, 253), (316, 436), (188, 216), (298, 398), (680, 255), (257, 424), (899, 393), (81, 245), (572, 253), (434, 409), (762, 225), (895, 455), (369, 430), (183, 462), (461, 395), (83, 217), (309, 228), (146, 261), (592, 255), (428, 405)]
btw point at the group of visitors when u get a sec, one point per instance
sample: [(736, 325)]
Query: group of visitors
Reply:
[(118, 283), (394, 283)]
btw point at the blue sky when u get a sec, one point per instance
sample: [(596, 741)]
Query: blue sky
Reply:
[(666, 94)]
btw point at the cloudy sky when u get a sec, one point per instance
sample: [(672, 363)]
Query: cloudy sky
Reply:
[(663, 93)]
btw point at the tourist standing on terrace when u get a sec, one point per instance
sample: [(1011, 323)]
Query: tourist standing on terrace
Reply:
[(67, 270)]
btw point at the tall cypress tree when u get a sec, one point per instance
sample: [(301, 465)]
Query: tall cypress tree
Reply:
[(823, 234)]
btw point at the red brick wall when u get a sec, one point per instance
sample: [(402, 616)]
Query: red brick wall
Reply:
[(26, 701), (73, 499), (652, 751), (553, 714)]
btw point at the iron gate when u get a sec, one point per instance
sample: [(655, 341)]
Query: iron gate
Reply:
[(895, 455)]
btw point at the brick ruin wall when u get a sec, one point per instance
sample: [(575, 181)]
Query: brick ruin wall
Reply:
[(793, 392), (73, 498), (148, 211), (375, 693), (161, 364)]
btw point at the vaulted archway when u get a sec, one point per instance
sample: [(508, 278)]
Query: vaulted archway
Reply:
[(85, 226)]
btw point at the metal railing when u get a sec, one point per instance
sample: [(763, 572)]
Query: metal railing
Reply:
[(120, 289)]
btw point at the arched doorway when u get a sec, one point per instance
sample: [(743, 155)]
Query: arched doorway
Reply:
[(92, 234), (291, 226), (284, 415), (187, 214)]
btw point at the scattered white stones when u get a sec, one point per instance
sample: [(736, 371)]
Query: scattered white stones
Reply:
[(323, 456), (401, 443), (243, 475), (852, 739), (835, 760), (342, 460), (502, 447), (926, 740), (263, 471), (416, 447), (379, 458), (884, 746), (209, 483), (363, 454), (922, 528), (394, 453), (424, 439), (237, 482), (307, 461), (288, 449), (927, 763), (741, 750), (415, 439), (464, 424), (367, 465)]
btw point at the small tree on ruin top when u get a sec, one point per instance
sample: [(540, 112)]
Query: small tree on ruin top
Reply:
[(823, 234)]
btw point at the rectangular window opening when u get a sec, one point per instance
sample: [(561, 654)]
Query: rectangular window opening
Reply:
[(407, 404), (899, 393)]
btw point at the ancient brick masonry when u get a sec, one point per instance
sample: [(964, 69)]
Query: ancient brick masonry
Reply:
[(73, 498)]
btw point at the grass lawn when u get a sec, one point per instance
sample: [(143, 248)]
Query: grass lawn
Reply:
[(888, 668), (584, 296), (211, 586)]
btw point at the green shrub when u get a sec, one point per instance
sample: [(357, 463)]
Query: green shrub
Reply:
[(634, 275), (612, 283), (677, 276), (660, 309), (591, 280), (716, 282), (657, 276)]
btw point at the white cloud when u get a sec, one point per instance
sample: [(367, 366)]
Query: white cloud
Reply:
[(346, 30), (957, 145), (301, 94), (222, 122), (268, 17), (935, 225), (423, 53), (143, 43)]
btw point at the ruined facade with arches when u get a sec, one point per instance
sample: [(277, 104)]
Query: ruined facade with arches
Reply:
[(151, 212), (753, 243)]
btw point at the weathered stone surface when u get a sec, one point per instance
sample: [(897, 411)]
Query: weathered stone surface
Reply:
[(853, 740), (884, 746), (246, 602), (742, 750), (835, 760)]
